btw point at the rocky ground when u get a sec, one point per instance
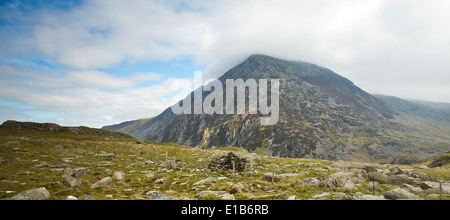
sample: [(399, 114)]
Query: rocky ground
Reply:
[(67, 166)]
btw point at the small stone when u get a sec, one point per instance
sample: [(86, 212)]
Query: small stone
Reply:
[(237, 188), (150, 175), (206, 181), (159, 180), (71, 198), (119, 175), (349, 185), (321, 196), (72, 181), (87, 197), (310, 181), (154, 195)]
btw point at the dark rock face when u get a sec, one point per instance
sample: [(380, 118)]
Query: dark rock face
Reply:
[(322, 115), (226, 163)]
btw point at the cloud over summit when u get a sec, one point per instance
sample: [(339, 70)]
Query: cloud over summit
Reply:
[(87, 60)]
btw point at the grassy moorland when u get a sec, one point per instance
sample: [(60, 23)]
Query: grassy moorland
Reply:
[(35, 159)]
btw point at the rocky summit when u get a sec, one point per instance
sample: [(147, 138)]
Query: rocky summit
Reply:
[(322, 115)]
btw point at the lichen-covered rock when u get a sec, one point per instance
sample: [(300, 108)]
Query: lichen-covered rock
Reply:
[(105, 182), (33, 194), (400, 194)]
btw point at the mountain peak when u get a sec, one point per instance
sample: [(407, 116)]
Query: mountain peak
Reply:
[(322, 115)]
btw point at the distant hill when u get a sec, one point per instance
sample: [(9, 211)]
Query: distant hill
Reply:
[(30, 126), (436, 105), (322, 115), (433, 110)]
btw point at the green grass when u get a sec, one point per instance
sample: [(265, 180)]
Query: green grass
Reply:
[(37, 163)]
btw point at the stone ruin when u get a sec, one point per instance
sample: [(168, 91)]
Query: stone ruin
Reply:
[(226, 163)]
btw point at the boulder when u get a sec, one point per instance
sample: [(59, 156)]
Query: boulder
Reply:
[(329, 182), (270, 177), (105, 182), (400, 194), (395, 171), (72, 181), (310, 181), (349, 185), (33, 194), (399, 180), (378, 177)]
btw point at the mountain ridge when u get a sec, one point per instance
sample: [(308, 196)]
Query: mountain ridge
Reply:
[(322, 116)]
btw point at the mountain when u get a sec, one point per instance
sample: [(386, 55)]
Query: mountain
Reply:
[(322, 115)]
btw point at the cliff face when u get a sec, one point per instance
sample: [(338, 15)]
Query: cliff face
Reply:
[(322, 115)]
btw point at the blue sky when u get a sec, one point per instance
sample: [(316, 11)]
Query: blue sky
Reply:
[(100, 62)]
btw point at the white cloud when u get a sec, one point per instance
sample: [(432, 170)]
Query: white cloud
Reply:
[(79, 97), (373, 43), (103, 33), (388, 47)]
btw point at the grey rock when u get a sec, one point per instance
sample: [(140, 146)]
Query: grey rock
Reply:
[(378, 177), (7, 144), (329, 183), (222, 194), (310, 181), (154, 195), (400, 194), (105, 182), (412, 188), (282, 196), (33, 194), (87, 197), (77, 171), (321, 196), (399, 180), (206, 181), (270, 177), (237, 188), (119, 175), (349, 185), (71, 198), (72, 181), (371, 197)]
